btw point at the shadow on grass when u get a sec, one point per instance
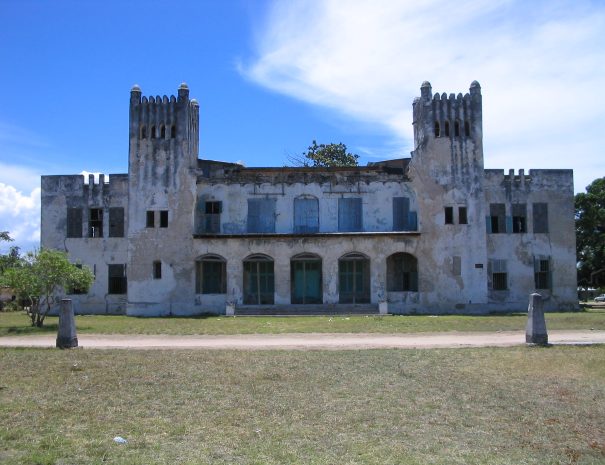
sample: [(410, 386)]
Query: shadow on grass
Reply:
[(24, 330)]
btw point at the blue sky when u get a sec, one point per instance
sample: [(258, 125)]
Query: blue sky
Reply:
[(272, 76)]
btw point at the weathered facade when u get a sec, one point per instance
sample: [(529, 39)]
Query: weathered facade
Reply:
[(433, 233)]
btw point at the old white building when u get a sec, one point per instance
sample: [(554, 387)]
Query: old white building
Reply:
[(432, 233)]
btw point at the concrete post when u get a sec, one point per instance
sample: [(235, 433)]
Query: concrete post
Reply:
[(535, 331), (66, 336)]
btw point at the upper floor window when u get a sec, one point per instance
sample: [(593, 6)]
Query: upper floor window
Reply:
[(172, 131), (306, 215), (447, 128), (462, 215), (449, 215), (163, 218), (437, 129), (95, 222), (519, 217), (540, 214), (163, 131), (150, 219), (152, 132), (143, 133), (212, 216), (497, 218), (403, 218), (74, 222), (467, 129), (457, 128), (350, 214), (261, 215)]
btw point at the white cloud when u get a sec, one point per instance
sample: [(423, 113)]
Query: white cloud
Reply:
[(21, 177), (541, 65), (20, 216)]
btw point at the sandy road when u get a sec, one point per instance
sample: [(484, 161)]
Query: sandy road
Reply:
[(310, 341)]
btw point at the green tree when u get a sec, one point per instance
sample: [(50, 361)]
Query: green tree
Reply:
[(12, 258), (325, 155), (43, 276), (590, 234)]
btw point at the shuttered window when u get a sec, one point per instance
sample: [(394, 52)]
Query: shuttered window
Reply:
[(261, 215), (349, 215), (519, 218), (306, 215)]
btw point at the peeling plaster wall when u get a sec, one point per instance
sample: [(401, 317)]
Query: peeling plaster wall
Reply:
[(446, 171), (62, 192), (555, 188)]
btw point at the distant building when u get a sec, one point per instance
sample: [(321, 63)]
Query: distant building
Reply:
[(433, 233)]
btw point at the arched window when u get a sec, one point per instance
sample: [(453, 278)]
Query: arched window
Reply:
[(211, 275), (259, 280), (402, 273), (447, 128), (354, 279), (143, 134), (173, 131), (457, 129), (305, 279), (163, 132), (437, 129), (152, 132), (306, 215), (467, 129)]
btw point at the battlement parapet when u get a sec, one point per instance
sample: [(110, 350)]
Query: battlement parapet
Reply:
[(560, 180), (80, 185), (451, 116)]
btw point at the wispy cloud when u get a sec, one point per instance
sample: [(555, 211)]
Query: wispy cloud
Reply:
[(541, 65)]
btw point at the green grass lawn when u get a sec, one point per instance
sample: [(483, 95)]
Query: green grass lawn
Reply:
[(17, 323), (457, 406)]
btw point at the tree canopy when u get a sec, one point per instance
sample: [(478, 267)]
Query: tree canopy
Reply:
[(325, 155), (42, 276), (590, 234)]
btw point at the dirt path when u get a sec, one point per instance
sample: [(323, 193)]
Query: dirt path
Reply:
[(308, 341)]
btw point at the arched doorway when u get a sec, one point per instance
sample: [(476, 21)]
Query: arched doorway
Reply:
[(259, 280), (306, 279), (354, 279)]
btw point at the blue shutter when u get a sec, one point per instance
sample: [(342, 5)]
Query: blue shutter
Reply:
[(401, 210), (509, 224), (349, 214), (261, 215), (412, 221), (488, 224)]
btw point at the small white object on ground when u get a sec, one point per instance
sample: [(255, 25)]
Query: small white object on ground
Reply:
[(120, 440)]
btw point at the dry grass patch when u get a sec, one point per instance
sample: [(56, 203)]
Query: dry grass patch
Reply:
[(464, 406)]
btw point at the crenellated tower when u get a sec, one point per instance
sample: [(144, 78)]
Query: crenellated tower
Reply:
[(163, 152), (447, 168), (162, 126), (448, 135)]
